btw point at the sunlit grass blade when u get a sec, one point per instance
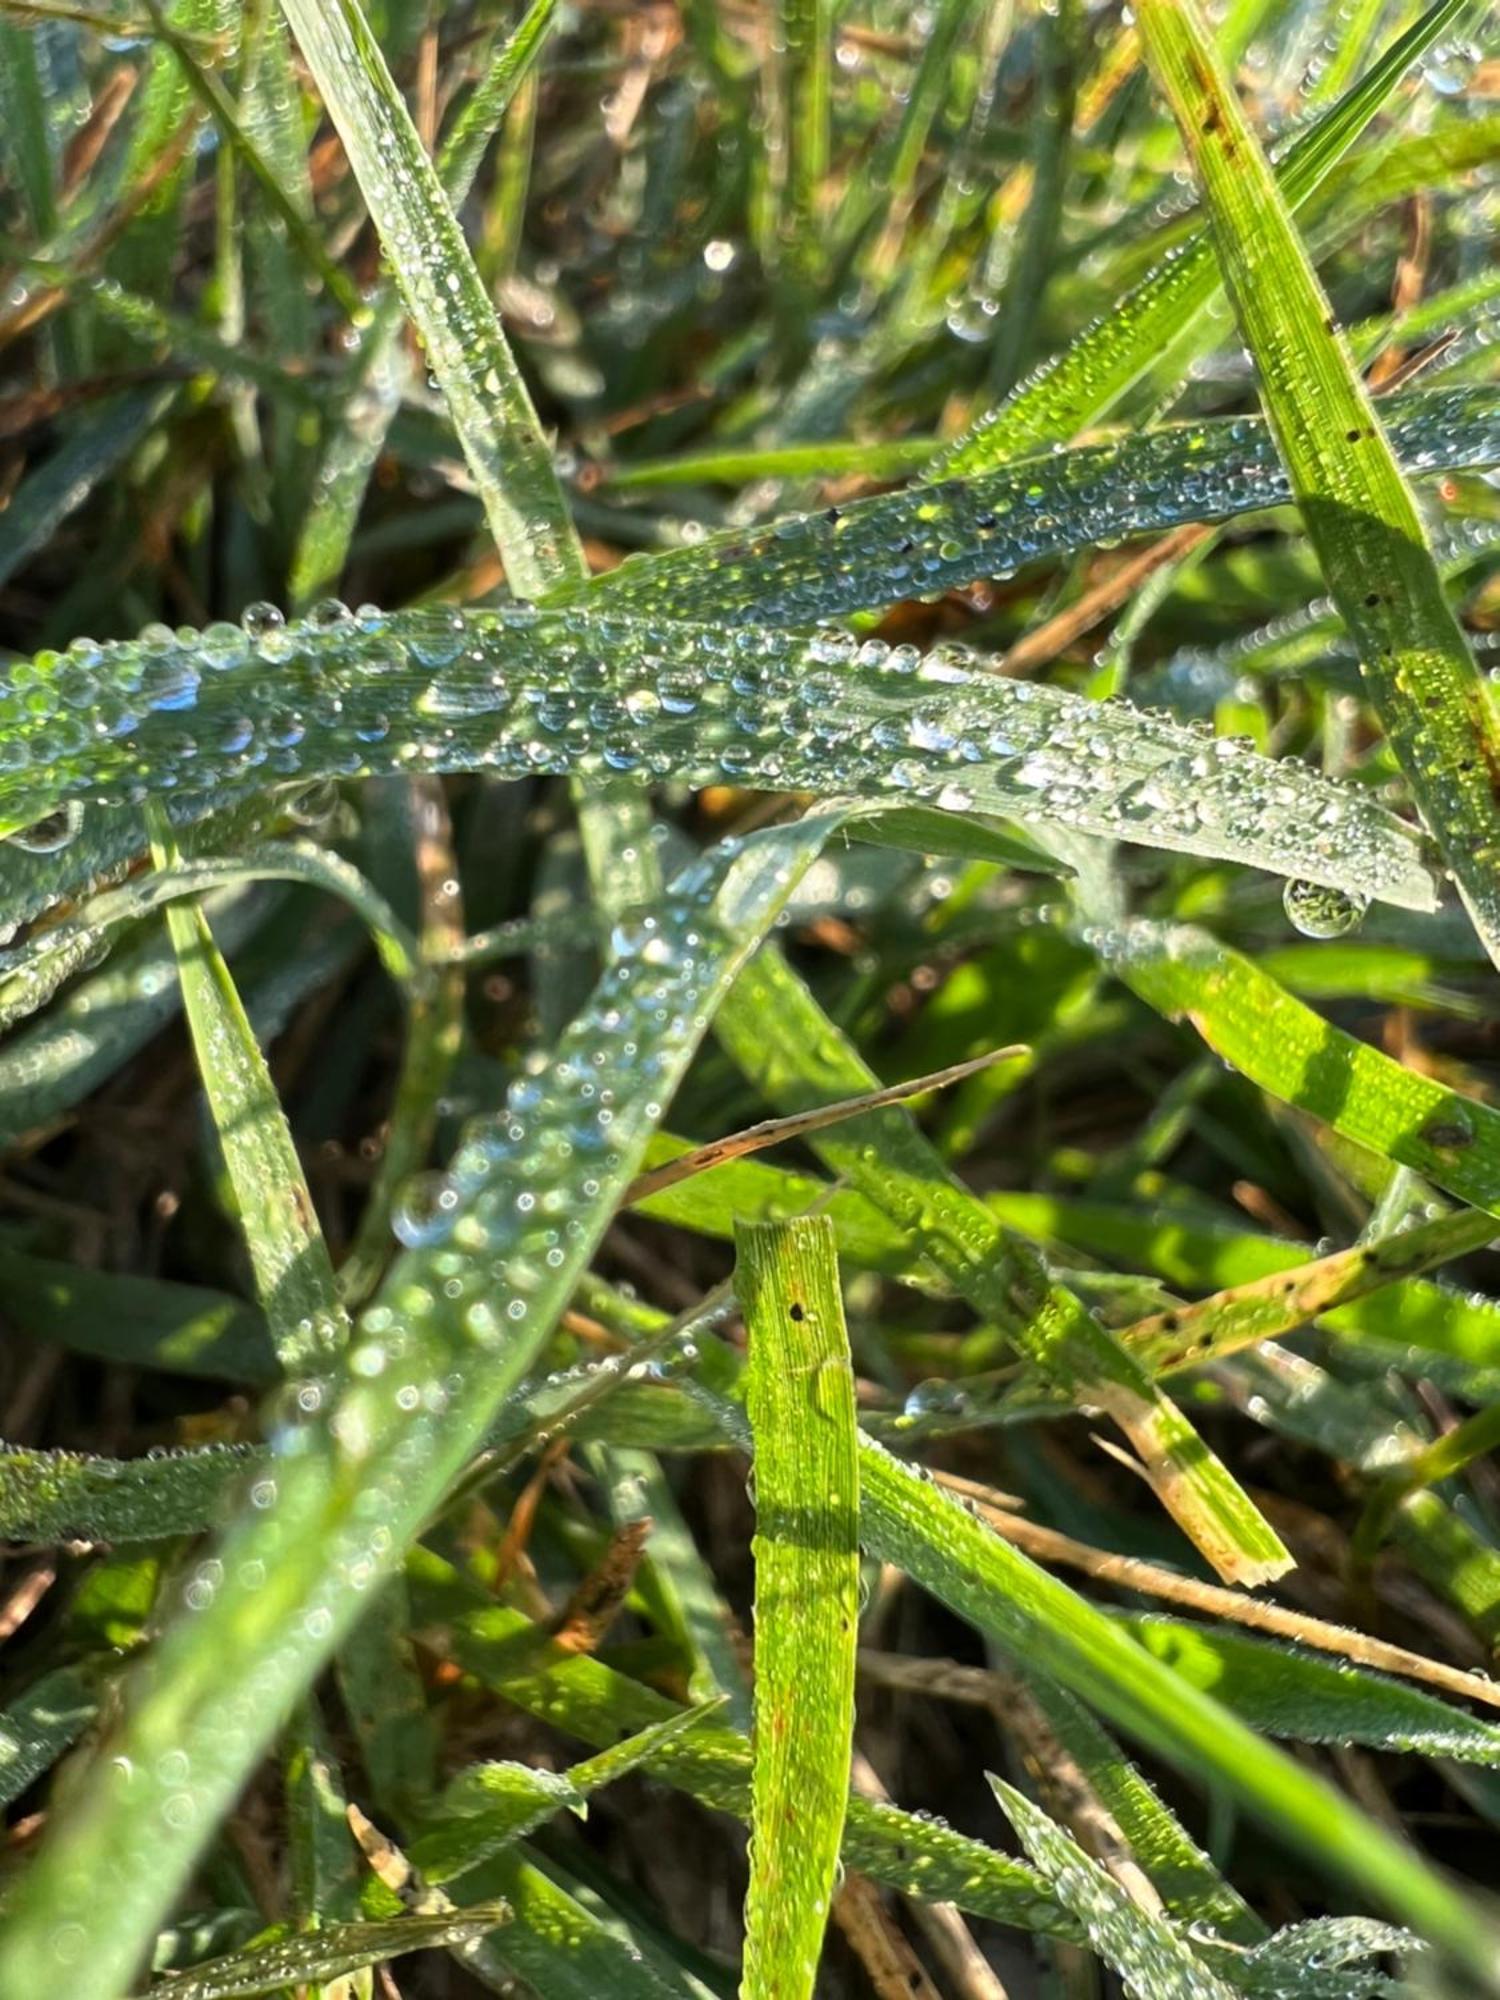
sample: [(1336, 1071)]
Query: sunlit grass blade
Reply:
[(1287, 1049), (1146, 1950), (1364, 525), (66, 1496), (1266, 1308), (1087, 378), (486, 1807), (1294, 1693), (713, 1764), (781, 1039), (800, 1396), (907, 1521), (863, 554), (1192, 1887), (600, 697), (327, 1954), (466, 350), (363, 1458), (324, 537)]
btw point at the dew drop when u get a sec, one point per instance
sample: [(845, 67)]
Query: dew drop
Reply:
[(1320, 912)]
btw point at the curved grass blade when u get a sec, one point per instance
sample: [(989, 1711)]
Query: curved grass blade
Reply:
[(930, 538), (363, 1457), (589, 1700), (1436, 709), (800, 1397), (55, 1496), (1284, 1691), (466, 350), (1087, 379), (1285, 1048), (487, 1806), (570, 692), (31, 974), (782, 1040), (1142, 1947), (939, 1544), (327, 1954)]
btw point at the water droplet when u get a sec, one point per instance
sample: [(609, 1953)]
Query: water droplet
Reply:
[(1320, 912)]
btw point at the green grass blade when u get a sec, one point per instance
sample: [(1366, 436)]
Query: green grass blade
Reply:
[(931, 538), (1314, 1700), (374, 395), (570, 692), (31, 974), (800, 1396), (327, 1954), (587, 1699), (1088, 378), (781, 1039), (466, 350), (1362, 521), (1143, 1948), (1285, 1048), (143, 1322), (40, 1724), (293, 1275), (55, 1496), (1039, 1621), (474, 1300), (488, 1806), (1193, 1889)]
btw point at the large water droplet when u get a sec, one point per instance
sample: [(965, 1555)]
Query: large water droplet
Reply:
[(1321, 912)]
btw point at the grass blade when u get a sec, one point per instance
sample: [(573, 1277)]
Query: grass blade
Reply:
[(1364, 526), (475, 1299), (486, 397), (1143, 1948), (327, 1954), (909, 1522), (781, 1039), (293, 1275), (521, 693), (930, 538), (1086, 379), (800, 1396)]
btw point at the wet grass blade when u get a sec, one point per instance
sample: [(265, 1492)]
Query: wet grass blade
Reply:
[(1287, 1049), (328, 527), (781, 1039), (591, 1701), (1293, 1693), (327, 1954), (364, 1457), (1088, 378), (293, 1276), (939, 1544), (487, 400), (55, 1496), (1147, 1951), (1435, 707), (520, 693), (800, 1397), (864, 554)]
